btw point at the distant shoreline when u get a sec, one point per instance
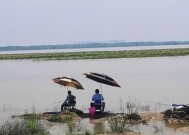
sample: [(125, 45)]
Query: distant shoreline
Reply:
[(92, 45), (97, 54)]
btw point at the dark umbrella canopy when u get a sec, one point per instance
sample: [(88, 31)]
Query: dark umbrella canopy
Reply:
[(102, 78), (68, 81)]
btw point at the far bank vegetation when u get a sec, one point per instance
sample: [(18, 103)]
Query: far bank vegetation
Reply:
[(97, 54)]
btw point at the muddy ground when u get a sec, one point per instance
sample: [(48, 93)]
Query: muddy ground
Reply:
[(176, 124)]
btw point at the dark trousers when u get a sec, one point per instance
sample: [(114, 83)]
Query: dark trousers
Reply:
[(101, 107), (66, 105), (63, 106)]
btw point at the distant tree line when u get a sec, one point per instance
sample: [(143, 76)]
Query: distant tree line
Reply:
[(90, 45)]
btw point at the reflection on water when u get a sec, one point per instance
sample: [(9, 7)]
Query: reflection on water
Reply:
[(161, 80), (6, 115), (151, 128), (155, 128)]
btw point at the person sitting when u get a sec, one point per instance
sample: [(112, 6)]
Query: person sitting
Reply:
[(98, 101), (70, 102)]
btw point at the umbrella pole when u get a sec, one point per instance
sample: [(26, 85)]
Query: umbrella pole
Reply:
[(101, 87), (101, 92)]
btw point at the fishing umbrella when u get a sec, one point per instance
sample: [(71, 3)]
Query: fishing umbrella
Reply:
[(101, 78), (68, 82)]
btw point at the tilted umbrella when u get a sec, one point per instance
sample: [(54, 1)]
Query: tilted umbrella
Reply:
[(68, 82), (101, 78)]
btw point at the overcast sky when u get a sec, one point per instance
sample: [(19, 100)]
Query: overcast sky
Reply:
[(36, 22)]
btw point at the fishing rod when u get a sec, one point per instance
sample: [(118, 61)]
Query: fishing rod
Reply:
[(156, 103), (173, 105)]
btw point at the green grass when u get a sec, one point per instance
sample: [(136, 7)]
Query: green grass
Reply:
[(118, 125), (24, 127), (97, 54)]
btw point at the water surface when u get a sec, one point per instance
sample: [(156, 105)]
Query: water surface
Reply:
[(99, 49), (24, 83), (28, 84)]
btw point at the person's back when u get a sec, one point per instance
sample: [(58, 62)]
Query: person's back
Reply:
[(97, 98), (69, 102)]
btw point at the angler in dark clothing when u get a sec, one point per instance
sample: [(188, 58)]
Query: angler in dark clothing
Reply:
[(69, 102)]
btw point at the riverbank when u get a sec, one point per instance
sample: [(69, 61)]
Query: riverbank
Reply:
[(154, 120), (97, 54)]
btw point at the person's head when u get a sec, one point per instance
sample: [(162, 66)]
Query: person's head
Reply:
[(69, 92), (97, 91)]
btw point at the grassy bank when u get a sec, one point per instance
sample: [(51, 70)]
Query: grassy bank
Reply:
[(97, 54)]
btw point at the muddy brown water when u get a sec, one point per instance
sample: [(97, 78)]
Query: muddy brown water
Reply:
[(27, 85)]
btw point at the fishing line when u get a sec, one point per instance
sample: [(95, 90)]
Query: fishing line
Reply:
[(155, 102)]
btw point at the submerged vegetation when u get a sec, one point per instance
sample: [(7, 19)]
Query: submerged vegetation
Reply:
[(31, 126), (118, 125), (97, 54)]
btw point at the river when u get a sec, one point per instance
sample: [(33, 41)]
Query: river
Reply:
[(27, 84), (99, 49)]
